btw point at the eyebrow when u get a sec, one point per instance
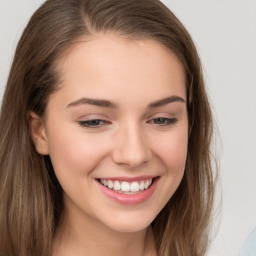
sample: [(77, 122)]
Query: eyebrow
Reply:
[(109, 104), (166, 101), (95, 102)]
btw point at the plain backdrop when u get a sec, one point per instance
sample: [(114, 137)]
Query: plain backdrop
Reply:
[(225, 34)]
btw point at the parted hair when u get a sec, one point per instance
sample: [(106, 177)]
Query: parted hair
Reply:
[(31, 199)]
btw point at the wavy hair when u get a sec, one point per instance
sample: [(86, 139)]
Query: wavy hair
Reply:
[(30, 195)]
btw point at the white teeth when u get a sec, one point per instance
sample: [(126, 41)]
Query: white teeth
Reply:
[(117, 185), (110, 184), (135, 187), (142, 186), (146, 184), (127, 187)]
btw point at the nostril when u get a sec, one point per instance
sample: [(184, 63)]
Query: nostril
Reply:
[(132, 158), (130, 147)]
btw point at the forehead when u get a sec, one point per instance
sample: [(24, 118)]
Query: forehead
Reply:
[(113, 66)]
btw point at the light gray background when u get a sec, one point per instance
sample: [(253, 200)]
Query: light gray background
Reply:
[(225, 34)]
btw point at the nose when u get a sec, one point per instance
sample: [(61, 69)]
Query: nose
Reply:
[(131, 148)]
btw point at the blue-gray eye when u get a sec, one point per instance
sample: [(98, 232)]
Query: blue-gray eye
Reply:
[(92, 123), (164, 121)]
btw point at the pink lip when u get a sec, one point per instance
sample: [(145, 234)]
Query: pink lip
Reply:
[(130, 199)]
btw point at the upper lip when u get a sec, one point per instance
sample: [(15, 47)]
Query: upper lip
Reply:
[(130, 179)]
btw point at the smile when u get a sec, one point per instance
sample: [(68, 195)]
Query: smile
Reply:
[(129, 191), (126, 187)]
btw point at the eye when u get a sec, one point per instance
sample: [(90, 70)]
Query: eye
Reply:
[(94, 123), (164, 121)]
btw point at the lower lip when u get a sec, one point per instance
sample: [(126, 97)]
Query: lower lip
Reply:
[(129, 199)]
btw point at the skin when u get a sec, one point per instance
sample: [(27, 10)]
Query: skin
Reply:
[(130, 141)]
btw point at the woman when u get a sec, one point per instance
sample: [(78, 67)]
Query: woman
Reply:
[(105, 134)]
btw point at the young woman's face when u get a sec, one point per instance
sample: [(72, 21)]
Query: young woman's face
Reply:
[(117, 131)]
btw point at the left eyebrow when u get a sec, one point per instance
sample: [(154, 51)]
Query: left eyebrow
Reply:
[(165, 101)]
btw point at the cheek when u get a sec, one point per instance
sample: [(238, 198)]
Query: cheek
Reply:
[(172, 149), (74, 153), (176, 153)]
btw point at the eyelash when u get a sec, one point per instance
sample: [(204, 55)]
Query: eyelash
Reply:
[(167, 121), (94, 123), (97, 123)]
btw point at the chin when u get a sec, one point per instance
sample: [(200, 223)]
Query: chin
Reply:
[(130, 223), (128, 228)]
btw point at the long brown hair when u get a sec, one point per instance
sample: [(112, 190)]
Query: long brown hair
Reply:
[(30, 195)]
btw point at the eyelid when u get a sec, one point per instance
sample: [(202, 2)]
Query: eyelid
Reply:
[(162, 114), (96, 121), (99, 121), (167, 121), (94, 116), (86, 123)]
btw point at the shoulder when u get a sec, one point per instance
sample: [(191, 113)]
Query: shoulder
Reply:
[(249, 248)]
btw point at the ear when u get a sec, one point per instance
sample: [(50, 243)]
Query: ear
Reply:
[(38, 133)]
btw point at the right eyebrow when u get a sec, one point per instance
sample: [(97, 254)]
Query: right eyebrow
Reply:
[(95, 102)]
